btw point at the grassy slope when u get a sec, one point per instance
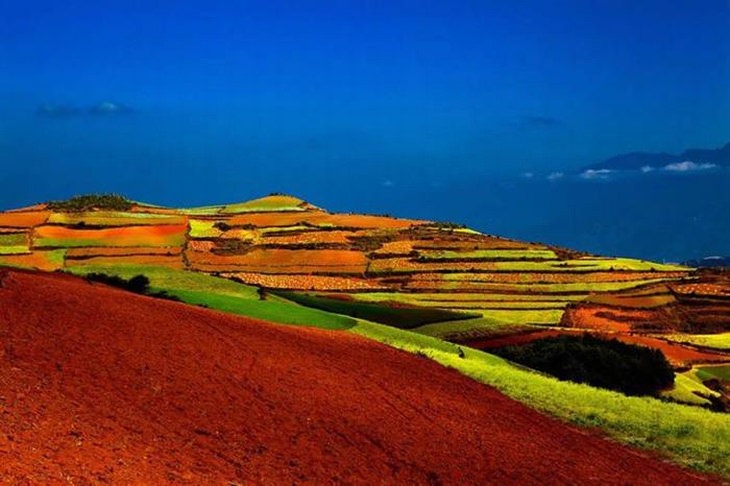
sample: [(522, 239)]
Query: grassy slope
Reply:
[(224, 295), (692, 436)]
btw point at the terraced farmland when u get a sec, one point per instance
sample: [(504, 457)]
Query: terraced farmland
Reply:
[(435, 289), (283, 243)]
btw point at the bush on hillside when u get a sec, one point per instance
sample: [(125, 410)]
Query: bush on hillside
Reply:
[(87, 202), (139, 284), (604, 363)]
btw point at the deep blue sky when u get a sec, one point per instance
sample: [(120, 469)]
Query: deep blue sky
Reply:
[(338, 100)]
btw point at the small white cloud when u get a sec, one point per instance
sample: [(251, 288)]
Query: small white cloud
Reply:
[(593, 174), (688, 166), (647, 168), (554, 176), (528, 175), (388, 183)]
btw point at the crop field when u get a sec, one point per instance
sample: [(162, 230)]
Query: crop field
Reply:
[(320, 218), (47, 261), (721, 372), (400, 317), (716, 341), (702, 288), (409, 265), (309, 237), (550, 277), (475, 244), (509, 254), (688, 390), (86, 252), (62, 237), (269, 203), (200, 228), (618, 300), (171, 261), (23, 219), (495, 287), (14, 243), (401, 247), (308, 282), (285, 261), (469, 329), (114, 218)]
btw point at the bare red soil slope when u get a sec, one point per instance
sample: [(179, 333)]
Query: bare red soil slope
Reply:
[(101, 386)]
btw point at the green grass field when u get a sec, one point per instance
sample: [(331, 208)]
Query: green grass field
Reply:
[(716, 341), (13, 243), (224, 295), (488, 254), (721, 372), (691, 436), (686, 388), (400, 317)]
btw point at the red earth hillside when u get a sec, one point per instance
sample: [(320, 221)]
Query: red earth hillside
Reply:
[(102, 386)]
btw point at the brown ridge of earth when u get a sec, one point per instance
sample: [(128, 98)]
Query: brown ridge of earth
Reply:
[(101, 386)]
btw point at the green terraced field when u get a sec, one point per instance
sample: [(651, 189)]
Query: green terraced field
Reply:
[(113, 218), (716, 341), (488, 254), (203, 229), (269, 203), (716, 371), (471, 328), (13, 243), (686, 390), (400, 317)]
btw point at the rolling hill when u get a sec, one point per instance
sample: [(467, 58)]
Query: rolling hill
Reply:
[(91, 393), (439, 290)]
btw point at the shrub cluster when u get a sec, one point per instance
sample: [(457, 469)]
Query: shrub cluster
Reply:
[(88, 202), (604, 363), (139, 284)]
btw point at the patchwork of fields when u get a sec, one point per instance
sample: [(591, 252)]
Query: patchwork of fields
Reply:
[(437, 289), (499, 287)]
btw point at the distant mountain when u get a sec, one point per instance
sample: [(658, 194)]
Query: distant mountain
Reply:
[(638, 160), (709, 262)]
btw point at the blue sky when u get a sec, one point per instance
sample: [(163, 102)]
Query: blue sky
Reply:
[(232, 99)]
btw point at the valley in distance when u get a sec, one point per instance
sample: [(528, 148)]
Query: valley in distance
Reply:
[(274, 342)]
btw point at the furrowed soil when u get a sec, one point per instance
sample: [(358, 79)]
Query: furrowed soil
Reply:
[(102, 386)]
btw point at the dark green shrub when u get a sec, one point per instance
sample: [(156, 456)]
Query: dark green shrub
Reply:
[(604, 363), (87, 202)]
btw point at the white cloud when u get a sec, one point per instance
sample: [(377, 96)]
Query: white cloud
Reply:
[(688, 166), (592, 174), (647, 168), (528, 175), (388, 183), (554, 176)]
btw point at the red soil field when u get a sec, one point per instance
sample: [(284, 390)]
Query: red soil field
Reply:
[(101, 386), (162, 235), (129, 251), (23, 220), (38, 259), (307, 282), (269, 261)]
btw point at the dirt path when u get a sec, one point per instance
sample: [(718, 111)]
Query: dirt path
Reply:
[(102, 386)]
